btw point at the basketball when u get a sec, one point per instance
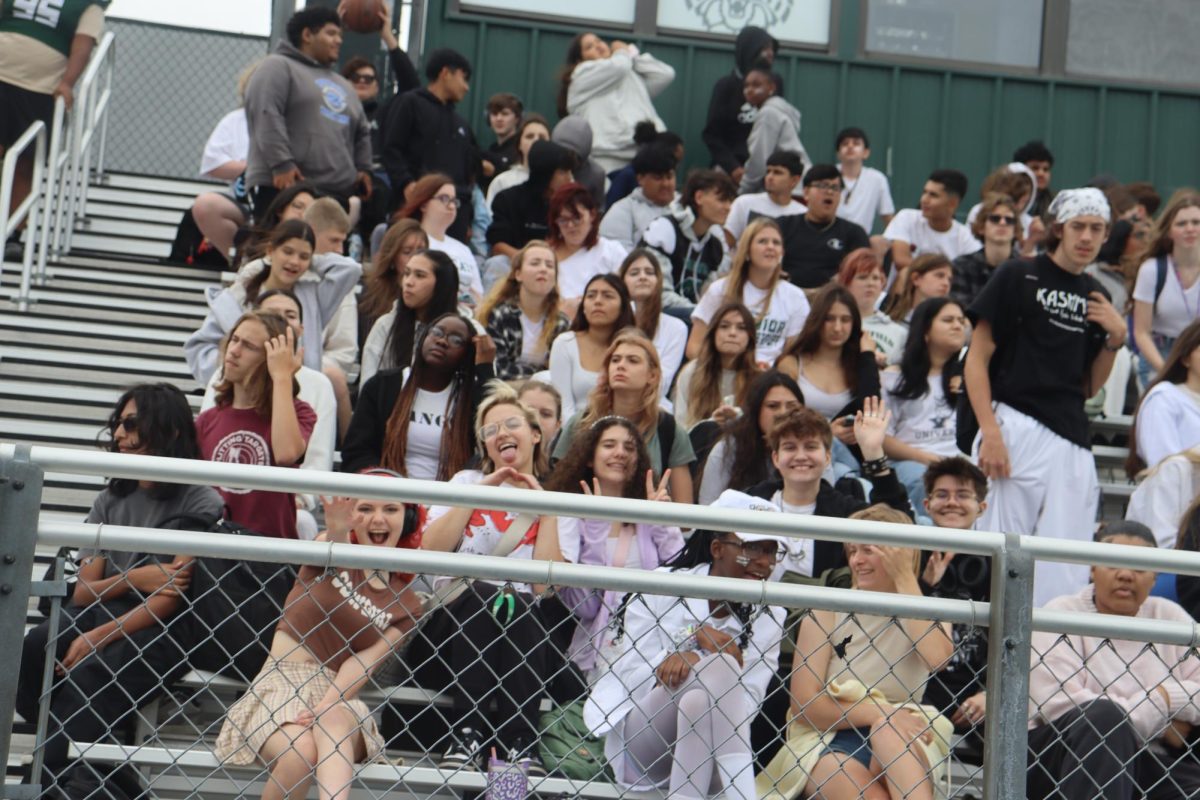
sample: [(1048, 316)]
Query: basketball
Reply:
[(362, 16)]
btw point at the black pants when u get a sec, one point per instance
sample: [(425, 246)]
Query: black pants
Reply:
[(1094, 752), (486, 658), (99, 695)]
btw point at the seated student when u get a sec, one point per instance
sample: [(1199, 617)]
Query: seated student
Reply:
[(776, 126), (339, 337), (643, 277), (432, 201), (546, 402), (521, 313), (533, 128), (675, 706), (1164, 495), (291, 203), (784, 170), (315, 390), (689, 243), (955, 494), (627, 219), (715, 384), (417, 420), (428, 290), (814, 242), (1113, 718), (1013, 180), (866, 193), (1167, 420), (840, 744), (577, 356), (861, 273), (580, 249), (1186, 538), (927, 276), (258, 418), (521, 214), (1116, 265), (624, 180), (758, 282), (740, 458), (465, 645), (383, 280), (922, 392), (114, 622), (628, 386), (575, 134), (504, 111), (320, 282), (932, 228), (610, 460), (999, 228), (302, 717)]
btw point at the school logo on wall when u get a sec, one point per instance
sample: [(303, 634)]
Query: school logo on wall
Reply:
[(730, 16)]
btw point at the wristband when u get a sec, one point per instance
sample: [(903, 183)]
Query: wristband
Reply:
[(875, 467)]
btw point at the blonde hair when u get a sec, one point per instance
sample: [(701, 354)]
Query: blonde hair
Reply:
[(509, 290), (261, 383), (327, 214), (499, 393), (735, 284), (880, 512), (600, 399)]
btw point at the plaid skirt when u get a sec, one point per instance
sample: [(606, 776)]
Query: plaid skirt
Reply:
[(279, 693)]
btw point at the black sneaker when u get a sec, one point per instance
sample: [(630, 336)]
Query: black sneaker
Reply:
[(524, 753), (465, 753)]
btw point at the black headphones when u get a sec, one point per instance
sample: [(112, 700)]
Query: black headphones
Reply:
[(410, 509)]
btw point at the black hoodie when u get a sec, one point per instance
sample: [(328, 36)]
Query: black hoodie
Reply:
[(421, 134), (522, 213), (729, 124)]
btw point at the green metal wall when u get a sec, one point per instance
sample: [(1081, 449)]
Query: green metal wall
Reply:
[(929, 117)]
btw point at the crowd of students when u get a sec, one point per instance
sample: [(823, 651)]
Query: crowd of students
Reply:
[(733, 344)]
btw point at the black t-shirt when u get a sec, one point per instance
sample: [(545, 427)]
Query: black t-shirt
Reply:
[(812, 253), (1044, 343)]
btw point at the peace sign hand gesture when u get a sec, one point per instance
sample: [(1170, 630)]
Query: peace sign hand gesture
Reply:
[(659, 492)]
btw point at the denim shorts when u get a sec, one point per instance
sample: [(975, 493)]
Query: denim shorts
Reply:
[(852, 742)]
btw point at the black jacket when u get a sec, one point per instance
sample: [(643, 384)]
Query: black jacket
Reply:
[(522, 213), (726, 130), (832, 503), (421, 134), (404, 75)]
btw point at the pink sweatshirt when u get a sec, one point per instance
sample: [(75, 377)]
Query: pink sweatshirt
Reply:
[(1068, 671)]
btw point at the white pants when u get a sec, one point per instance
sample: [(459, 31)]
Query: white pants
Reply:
[(1052, 491)]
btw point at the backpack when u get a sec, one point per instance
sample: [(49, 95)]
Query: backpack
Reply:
[(1160, 283), (568, 748)]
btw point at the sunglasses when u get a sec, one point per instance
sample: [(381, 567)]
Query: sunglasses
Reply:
[(129, 423), (1001, 219), (759, 549), (452, 339), (488, 432), (363, 77)]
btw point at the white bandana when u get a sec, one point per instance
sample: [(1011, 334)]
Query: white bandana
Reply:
[(1072, 203)]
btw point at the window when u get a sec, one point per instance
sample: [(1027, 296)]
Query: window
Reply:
[(1119, 39), (611, 12), (1007, 32), (803, 21)]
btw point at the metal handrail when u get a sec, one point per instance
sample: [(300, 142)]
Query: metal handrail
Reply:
[(30, 207)]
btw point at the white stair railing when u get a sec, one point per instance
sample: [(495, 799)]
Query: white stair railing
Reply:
[(31, 206)]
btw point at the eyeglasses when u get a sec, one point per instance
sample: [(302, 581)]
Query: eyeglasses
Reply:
[(1001, 219), (569, 222), (128, 422), (452, 339), (488, 432), (826, 186), (362, 77), (448, 200), (759, 549), (962, 495)]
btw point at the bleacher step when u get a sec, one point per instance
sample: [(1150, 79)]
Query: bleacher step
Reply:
[(149, 183)]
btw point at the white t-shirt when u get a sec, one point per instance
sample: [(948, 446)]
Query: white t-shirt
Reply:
[(784, 316), (1177, 307), (670, 340), (760, 204), (425, 427), (576, 270), (470, 285), (229, 141), (485, 528), (800, 554), (909, 225), (928, 423), (568, 375), (865, 198), (531, 333)]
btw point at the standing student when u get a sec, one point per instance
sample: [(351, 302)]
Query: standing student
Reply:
[(784, 170), (577, 356), (815, 242), (521, 314), (715, 383), (627, 219), (862, 274), (644, 279), (730, 117), (998, 227), (757, 281), (1044, 339), (866, 193), (776, 126), (580, 249), (417, 421), (432, 200), (1166, 295), (932, 228), (258, 418)]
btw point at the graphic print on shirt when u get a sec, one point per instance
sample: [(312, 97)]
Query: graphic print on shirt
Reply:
[(44, 12), (1064, 309), (242, 447), (375, 615), (425, 418), (335, 101), (770, 331), (489, 526)]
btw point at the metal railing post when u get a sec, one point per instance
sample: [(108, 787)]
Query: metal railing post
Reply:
[(20, 501), (1004, 763)]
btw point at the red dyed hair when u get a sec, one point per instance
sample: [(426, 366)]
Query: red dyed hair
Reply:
[(858, 262), (568, 198)]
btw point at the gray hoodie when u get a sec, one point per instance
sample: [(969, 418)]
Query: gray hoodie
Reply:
[(575, 134), (629, 217), (777, 127), (302, 114)]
